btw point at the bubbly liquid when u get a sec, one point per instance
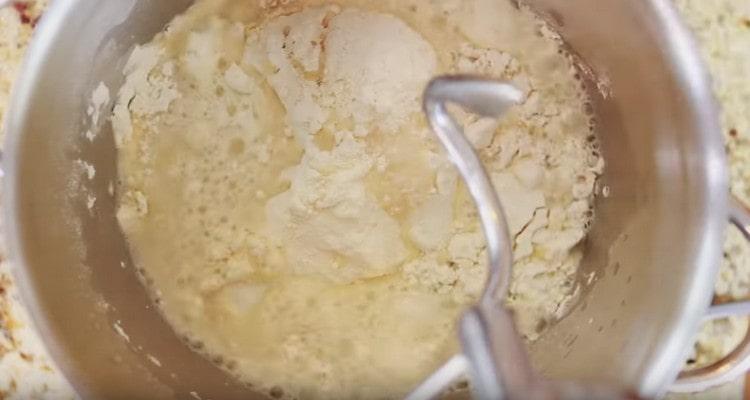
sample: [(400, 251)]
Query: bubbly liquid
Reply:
[(293, 216)]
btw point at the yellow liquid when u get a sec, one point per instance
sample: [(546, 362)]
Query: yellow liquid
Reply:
[(314, 308)]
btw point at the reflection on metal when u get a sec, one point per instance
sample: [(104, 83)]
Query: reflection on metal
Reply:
[(737, 362)]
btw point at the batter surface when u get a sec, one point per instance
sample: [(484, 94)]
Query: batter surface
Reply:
[(293, 216)]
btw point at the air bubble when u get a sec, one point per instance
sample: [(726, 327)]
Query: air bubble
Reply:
[(222, 63), (540, 326), (588, 108), (276, 392)]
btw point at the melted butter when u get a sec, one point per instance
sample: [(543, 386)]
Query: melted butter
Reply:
[(291, 254)]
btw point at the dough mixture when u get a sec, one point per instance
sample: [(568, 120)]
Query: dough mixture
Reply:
[(294, 217)]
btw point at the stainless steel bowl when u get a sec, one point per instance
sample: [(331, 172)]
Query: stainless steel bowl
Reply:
[(654, 247)]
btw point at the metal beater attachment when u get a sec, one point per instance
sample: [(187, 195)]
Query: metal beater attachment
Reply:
[(489, 99), (494, 357)]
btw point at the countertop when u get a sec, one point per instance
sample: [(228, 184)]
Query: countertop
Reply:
[(722, 28)]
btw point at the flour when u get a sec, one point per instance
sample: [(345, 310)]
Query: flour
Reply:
[(310, 229), (365, 51), (155, 90), (88, 169), (327, 198), (99, 100), (269, 52)]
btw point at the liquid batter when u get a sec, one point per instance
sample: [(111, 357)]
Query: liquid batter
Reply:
[(294, 217)]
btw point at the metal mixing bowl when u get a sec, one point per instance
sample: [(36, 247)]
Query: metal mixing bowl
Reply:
[(654, 247)]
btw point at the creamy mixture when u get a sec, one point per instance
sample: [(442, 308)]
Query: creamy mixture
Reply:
[(294, 217)]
